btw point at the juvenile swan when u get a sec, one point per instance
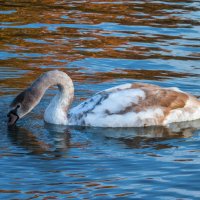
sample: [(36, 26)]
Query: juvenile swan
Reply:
[(128, 105)]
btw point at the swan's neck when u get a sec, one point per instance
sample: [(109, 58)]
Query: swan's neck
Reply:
[(56, 112)]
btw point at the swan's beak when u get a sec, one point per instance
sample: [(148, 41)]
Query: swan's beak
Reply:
[(12, 118)]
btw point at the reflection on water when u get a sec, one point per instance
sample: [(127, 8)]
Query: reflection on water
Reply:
[(139, 137), (86, 162), (59, 141), (36, 37), (57, 138), (100, 44)]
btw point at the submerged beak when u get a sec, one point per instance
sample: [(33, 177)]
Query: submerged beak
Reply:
[(12, 118)]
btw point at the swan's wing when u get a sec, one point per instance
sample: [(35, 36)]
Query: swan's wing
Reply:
[(132, 105)]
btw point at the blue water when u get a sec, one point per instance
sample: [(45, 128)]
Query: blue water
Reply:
[(100, 44)]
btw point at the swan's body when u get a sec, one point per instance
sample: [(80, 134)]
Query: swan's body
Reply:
[(128, 105), (136, 105)]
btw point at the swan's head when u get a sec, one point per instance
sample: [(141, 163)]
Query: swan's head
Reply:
[(20, 106)]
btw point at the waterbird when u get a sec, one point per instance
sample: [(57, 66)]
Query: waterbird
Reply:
[(126, 105)]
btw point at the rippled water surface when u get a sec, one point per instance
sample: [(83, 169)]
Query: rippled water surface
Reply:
[(100, 44)]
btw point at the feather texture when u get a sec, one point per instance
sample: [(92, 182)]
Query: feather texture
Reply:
[(135, 105)]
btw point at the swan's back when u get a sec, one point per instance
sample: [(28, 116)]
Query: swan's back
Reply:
[(135, 105)]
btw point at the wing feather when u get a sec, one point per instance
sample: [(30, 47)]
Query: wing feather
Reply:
[(129, 105)]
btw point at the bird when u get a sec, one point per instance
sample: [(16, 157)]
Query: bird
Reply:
[(126, 105)]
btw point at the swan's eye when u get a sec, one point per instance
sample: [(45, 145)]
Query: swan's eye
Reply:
[(18, 106)]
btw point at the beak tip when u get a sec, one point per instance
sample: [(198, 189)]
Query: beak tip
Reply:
[(12, 119)]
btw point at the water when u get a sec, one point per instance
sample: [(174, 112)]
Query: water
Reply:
[(100, 44)]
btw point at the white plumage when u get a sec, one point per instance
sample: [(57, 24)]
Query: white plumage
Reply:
[(115, 108)]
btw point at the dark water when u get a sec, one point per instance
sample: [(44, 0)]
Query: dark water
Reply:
[(99, 44)]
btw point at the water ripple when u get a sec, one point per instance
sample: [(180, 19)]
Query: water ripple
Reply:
[(100, 44)]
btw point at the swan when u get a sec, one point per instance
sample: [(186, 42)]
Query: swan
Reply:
[(127, 105)]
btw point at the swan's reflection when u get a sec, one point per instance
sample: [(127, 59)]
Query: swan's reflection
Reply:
[(53, 143), (147, 136), (57, 140)]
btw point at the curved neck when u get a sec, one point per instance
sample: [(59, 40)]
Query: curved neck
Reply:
[(56, 112)]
